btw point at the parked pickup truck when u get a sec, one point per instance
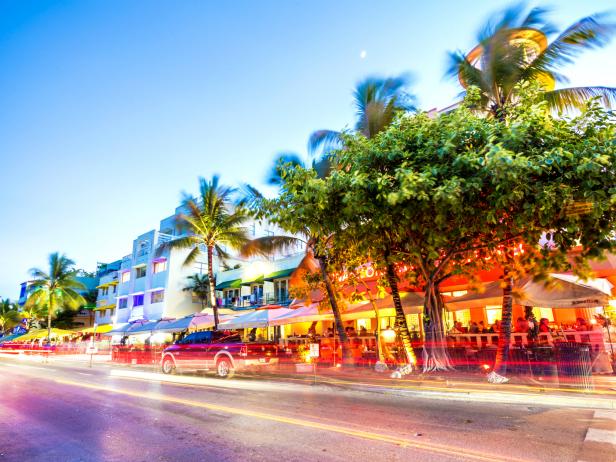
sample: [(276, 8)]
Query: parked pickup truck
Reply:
[(223, 352)]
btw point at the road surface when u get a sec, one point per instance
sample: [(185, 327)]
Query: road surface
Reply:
[(62, 412)]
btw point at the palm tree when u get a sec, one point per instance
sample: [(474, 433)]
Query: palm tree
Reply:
[(513, 48), (211, 222), (33, 313), (9, 315), (377, 101), (56, 290), (199, 285), (90, 298)]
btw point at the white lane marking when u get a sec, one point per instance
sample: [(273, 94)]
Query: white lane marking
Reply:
[(601, 436), (84, 373), (610, 415)]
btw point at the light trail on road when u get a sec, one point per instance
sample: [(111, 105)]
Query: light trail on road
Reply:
[(403, 442)]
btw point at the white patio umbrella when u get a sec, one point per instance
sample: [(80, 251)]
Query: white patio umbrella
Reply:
[(257, 318), (306, 313), (562, 291)]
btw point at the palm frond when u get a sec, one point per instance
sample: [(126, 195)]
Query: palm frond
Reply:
[(192, 256), (587, 33), (324, 141), (268, 245), (566, 99)]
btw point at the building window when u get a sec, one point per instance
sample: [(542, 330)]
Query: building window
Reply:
[(138, 300), (159, 266), (140, 272), (104, 291), (125, 276), (157, 296), (547, 313), (112, 289), (493, 313), (123, 303)]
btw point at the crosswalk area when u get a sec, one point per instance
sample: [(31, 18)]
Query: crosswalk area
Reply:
[(600, 441)]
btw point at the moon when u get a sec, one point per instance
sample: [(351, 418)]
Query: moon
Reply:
[(363, 54)]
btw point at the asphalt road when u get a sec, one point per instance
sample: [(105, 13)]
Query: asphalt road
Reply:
[(58, 412)]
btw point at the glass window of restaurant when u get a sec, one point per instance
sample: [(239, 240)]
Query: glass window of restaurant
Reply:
[(493, 313), (463, 316), (547, 313)]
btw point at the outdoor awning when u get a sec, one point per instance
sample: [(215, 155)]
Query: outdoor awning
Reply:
[(256, 280), (121, 328), (104, 307), (10, 338), (102, 329), (562, 291), (285, 273), (42, 333), (308, 313), (149, 327), (193, 321), (412, 303), (257, 318), (231, 284)]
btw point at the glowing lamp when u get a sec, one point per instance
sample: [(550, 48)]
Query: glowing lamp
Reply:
[(389, 335), (593, 321), (486, 367)]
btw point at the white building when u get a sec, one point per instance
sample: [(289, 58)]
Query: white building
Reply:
[(150, 282)]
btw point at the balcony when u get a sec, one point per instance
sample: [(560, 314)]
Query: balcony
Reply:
[(282, 299)]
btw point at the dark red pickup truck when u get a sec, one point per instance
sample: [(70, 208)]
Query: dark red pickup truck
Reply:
[(223, 352)]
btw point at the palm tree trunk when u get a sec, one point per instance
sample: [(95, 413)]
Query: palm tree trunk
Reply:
[(210, 274), (504, 337), (401, 323), (50, 311), (435, 354), (347, 357)]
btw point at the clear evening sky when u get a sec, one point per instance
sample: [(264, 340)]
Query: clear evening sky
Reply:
[(109, 109)]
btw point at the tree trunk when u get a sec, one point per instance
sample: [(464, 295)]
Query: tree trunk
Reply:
[(347, 357), (379, 348), (504, 337), (435, 354), (49, 313), (210, 274), (401, 323)]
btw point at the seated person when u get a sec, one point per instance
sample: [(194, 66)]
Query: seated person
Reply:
[(474, 328), (482, 327), (544, 325), (363, 331), (457, 328), (581, 325)]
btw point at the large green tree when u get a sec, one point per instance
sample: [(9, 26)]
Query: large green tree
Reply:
[(305, 208), (513, 47), (211, 222), (447, 194), (56, 290)]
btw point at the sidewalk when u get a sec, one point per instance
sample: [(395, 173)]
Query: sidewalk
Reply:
[(460, 386), (454, 385)]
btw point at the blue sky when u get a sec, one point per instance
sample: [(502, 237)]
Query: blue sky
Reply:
[(110, 108)]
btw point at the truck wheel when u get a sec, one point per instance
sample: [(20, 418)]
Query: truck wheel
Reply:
[(224, 369), (168, 366)]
